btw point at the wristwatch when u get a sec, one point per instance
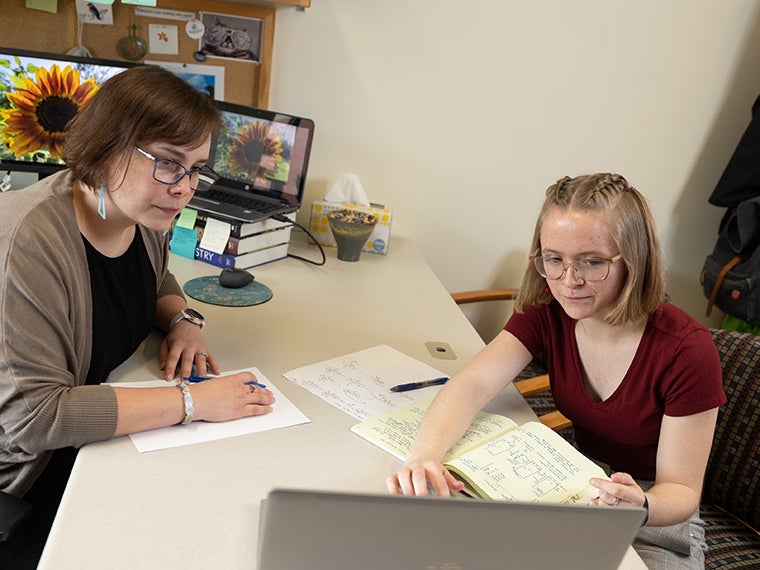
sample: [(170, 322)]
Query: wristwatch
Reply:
[(190, 315)]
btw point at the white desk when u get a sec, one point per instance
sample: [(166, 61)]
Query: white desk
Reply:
[(197, 506)]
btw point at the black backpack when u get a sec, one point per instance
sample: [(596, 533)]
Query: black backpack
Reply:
[(731, 273), (741, 179)]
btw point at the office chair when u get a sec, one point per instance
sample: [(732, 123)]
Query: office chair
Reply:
[(533, 382), (13, 512), (730, 503)]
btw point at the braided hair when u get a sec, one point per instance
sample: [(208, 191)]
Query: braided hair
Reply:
[(631, 224)]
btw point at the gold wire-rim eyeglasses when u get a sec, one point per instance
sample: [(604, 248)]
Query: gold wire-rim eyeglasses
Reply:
[(579, 271)]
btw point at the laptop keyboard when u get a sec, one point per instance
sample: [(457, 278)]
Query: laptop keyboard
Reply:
[(247, 202)]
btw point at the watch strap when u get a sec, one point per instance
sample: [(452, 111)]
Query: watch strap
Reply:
[(184, 314), (176, 318), (645, 506)]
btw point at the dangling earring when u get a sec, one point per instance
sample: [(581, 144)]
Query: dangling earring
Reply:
[(102, 201), (547, 290)]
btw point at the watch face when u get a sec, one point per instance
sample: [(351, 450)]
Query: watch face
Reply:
[(194, 313)]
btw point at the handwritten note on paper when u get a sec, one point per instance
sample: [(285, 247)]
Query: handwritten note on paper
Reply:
[(395, 431), (360, 383), (216, 234), (284, 414)]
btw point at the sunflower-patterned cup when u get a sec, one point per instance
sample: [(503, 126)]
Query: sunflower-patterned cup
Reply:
[(351, 231)]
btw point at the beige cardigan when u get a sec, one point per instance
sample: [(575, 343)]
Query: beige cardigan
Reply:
[(46, 331)]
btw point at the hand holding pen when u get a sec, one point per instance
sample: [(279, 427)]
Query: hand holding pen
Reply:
[(215, 397), (194, 379)]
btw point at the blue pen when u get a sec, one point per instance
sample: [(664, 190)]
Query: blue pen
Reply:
[(415, 385), (195, 378)]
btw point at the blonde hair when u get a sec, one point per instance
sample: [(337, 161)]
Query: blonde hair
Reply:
[(633, 230)]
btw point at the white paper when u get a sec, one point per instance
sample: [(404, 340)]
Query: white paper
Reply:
[(284, 414), (216, 234), (163, 14), (163, 38), (360, 383)]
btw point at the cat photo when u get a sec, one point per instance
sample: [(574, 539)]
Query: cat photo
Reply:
[(231, 37)]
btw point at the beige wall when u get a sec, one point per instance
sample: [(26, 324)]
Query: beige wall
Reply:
[(460, 114)]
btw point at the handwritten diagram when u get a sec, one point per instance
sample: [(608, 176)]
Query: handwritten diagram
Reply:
[(524, 464), (360, 383)]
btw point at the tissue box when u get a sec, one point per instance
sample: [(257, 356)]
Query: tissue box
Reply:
[(378, 241)]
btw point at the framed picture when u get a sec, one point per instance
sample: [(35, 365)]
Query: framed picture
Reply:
[(231, 37)]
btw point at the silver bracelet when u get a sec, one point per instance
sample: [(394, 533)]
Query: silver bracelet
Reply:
[(188, 399)]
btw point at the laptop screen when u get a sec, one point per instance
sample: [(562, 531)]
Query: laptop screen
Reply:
[(262, 151)]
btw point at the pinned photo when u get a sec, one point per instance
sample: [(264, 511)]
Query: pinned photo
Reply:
[(231, 37), (95, 13)]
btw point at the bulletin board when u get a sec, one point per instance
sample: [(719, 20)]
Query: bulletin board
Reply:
[(246, 81)]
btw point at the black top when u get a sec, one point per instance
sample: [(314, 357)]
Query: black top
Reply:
[(123, 305), (124, 308)]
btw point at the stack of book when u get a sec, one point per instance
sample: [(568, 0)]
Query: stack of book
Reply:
[(249, 244)]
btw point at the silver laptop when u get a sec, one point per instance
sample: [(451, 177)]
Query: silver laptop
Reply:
[(350, 531), (261, 157)]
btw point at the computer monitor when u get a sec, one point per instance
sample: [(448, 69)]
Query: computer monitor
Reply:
[(39, 93)]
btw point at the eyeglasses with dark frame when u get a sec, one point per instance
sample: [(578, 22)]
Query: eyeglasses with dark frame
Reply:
[(169, 172), (587, 269)]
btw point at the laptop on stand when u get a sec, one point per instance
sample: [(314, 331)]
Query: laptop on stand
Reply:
[(261, 157), (348, 531)]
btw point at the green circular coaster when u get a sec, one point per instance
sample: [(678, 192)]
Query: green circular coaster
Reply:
[(208, 290)]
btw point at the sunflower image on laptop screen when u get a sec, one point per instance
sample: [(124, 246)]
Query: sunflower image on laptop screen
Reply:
[(261, 157), (255, 150)]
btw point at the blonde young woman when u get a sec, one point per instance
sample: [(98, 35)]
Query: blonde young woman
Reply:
[(639, 378)]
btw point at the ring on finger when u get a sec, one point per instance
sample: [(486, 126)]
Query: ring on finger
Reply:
[(203, 354), (615, 502)]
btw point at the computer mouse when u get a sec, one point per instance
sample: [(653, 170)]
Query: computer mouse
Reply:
[(234, 278)]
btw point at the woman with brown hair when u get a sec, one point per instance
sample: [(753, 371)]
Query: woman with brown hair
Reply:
[(83, 280)]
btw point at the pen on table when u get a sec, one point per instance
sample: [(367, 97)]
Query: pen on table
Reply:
[(195, 378), (415, 385)]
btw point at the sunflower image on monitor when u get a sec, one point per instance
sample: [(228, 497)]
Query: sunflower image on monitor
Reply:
[(39, 95), (40, 107)]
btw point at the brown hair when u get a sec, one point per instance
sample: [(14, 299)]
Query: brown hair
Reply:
[(633, 230), (139, 106)]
